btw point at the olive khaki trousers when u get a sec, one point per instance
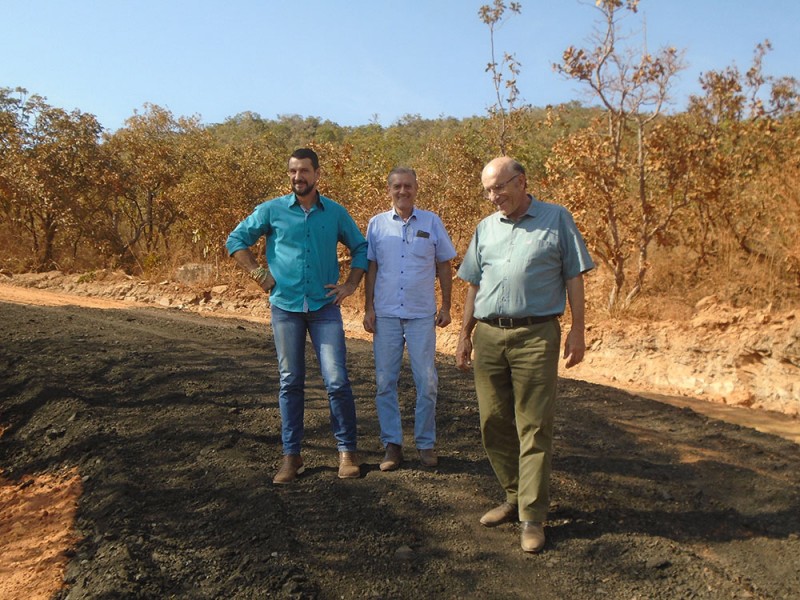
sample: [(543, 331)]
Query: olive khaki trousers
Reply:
[(516, 372)]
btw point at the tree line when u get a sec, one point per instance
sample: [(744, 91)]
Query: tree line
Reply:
[(706, 200)]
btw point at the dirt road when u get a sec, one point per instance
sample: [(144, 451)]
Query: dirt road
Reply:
[(172, 423)]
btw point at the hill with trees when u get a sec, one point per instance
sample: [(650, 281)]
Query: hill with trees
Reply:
[(672, 205)]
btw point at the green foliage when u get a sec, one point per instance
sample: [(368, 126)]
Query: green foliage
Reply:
[(88, 277), (287, 132)]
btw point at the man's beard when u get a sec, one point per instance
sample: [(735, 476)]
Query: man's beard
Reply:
[(302, 188)]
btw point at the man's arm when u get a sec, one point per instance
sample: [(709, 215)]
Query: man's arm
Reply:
[(575, 344), (445, 274), (247, 260), (343, 290), (369, 297), (350, 236), (464, 348)]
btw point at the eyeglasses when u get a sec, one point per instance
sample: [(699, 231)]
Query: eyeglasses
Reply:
[(498, 189)]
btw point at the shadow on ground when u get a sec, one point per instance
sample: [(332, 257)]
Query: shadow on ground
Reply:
[(172, 421)]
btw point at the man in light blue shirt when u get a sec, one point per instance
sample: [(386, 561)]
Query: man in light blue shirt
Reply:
[(408, 249), (303, 230), (522, 264)]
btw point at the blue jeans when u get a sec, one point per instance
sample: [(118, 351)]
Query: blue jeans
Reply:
[(419, 335), (327, 335)]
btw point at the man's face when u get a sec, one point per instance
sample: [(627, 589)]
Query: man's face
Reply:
[(303, 176), (506, 190), (403, 191)]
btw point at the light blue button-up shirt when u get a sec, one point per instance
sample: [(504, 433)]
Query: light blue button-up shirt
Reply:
[(522, 267), (406, 253), (301, 248)]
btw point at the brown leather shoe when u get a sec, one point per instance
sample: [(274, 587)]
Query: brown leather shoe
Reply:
[(532, 536), (393, 457), (348, 465), (428, 458), (291, 467), (504, 513)]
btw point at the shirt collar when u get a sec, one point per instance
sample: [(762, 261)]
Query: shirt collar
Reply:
[(319, 204), (531, 212), (397, 216)]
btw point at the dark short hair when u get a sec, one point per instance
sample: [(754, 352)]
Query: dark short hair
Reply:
[(308, 153), (401, 171), (517, 167)]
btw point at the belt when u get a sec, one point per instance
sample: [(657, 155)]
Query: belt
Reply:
[(509, 322)]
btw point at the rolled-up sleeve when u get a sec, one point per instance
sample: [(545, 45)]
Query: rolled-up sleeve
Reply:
[(352, 237), (248, 231)]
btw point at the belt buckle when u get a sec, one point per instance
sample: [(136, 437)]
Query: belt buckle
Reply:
[(505, 322)]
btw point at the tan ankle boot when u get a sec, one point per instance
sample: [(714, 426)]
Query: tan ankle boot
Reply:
[(348, 466), (291, 467)]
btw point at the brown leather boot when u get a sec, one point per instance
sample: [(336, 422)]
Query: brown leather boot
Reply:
[(291, 467), (532, 539), (393, 458), (428, 458), (348, 466), (500, 514)]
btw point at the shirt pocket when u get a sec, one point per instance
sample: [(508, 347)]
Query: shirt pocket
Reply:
[(541, 250), (422, 247)]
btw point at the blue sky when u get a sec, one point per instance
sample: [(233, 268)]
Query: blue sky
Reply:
[(346, 61)]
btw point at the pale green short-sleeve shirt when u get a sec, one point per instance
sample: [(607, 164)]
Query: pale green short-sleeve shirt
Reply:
[(522, 267)]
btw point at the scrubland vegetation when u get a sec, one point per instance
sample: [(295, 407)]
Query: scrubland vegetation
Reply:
[(674, 205)]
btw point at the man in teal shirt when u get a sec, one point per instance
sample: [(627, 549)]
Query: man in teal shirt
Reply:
[(521, 265), (303, 230)]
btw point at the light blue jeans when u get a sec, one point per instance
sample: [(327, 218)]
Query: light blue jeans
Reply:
[(327, 336), (419, 335)]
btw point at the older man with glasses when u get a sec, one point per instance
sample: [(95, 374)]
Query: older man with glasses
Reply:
[(522, 264)]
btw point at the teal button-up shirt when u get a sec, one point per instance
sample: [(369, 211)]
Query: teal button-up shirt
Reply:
[(522, 267), (301, 248)]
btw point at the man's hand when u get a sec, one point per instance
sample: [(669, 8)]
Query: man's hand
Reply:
[(340, 291), (464, 353), (263, 278), (443, 317), (369, 320), (574, 347), (268, 284)]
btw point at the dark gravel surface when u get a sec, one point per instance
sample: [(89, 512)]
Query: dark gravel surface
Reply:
[(172, 420)]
